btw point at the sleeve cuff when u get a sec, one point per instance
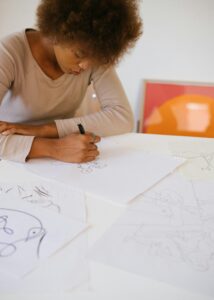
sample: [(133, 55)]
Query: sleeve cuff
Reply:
[(15, 147), (65, 130)]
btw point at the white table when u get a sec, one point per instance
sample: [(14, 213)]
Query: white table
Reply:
[(107, 282)]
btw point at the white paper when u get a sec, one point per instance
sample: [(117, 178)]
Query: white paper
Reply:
[(53, 196), (61, 272), (8, 283), (168, 234), (118, 175), (66, 268), (200, 155), (28, 236)]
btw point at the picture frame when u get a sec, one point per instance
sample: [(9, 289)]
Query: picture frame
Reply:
[(158, 94)]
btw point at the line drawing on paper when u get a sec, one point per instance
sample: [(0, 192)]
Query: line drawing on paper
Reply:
[(13, 235), (38, 194), (206, 158), (167, 227), (90, 167), (3, 225)]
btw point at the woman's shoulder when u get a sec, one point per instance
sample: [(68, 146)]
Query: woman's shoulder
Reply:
[(102, 72), (14, 44)]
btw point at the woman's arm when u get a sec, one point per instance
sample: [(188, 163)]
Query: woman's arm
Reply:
[(11, 147), (45, 131), (115, 116)]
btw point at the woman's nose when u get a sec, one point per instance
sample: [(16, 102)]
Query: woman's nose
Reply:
[(84, 64)]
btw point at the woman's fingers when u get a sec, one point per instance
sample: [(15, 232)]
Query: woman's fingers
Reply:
[(9, 128), (9, 131), (91, 151), (23, 129), (91, 137), (88, 159), (92, 147), (12, 130), (3, 126), (91, 155), (6, 130)]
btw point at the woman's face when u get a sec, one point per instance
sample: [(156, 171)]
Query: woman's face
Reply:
[(72, 59)]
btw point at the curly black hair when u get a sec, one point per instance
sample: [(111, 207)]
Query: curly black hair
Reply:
[(107, 28)]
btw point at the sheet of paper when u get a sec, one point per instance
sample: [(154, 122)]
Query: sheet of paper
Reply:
[(200, 156), (56, 197), (70, 263), (168, 235), (29, 235), (118, 175), (67, 269), (8, 283)]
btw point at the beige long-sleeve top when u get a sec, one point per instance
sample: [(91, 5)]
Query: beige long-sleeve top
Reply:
[(28, 95)]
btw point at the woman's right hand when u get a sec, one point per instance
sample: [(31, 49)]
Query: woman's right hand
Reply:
[(74, 148)]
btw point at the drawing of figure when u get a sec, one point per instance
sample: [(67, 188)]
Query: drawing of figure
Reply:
[(90, 167), (20, 230)]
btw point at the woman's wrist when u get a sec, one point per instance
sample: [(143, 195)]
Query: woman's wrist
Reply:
[(42, 147), (50, 130)]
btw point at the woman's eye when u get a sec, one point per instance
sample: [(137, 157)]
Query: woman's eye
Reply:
[(79, 55)]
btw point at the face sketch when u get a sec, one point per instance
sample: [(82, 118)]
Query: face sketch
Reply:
[(19, 229), (72, 59)]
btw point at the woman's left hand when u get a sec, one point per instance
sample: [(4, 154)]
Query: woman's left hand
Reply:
[(45, 131)]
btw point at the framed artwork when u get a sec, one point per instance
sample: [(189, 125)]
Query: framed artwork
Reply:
[(178, 108)]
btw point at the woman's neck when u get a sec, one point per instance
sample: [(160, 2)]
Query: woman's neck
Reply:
[(43, 52)]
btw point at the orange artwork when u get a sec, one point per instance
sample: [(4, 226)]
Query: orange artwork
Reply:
[(178, 109)]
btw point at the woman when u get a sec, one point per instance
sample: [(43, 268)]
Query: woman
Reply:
[(44, 75)]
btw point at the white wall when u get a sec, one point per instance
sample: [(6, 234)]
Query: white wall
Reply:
[(16, 15), (178, 41), (178, 44)]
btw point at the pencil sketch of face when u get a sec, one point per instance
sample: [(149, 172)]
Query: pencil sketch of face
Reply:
[(19, 231)]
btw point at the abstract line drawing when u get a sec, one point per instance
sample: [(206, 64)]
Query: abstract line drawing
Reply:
[(169, 227), (207, 158), (38, 194), (18, 229), (90, 167)]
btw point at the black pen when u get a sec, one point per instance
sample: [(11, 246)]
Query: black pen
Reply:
[(81, 128)]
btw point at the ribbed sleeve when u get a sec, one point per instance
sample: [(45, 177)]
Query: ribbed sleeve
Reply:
[(115, 116), (15, 147)]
